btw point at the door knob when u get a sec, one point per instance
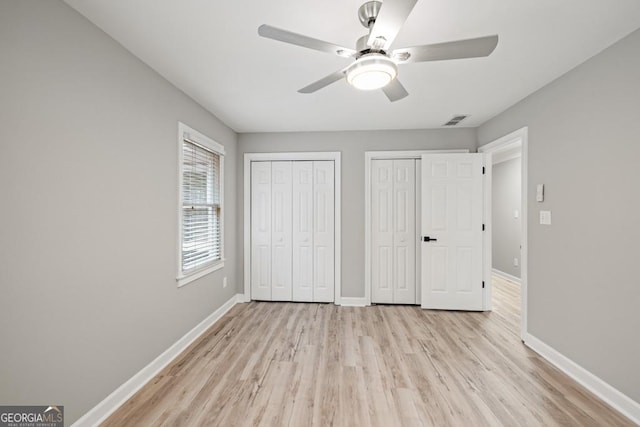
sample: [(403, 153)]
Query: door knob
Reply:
[(429, 239)]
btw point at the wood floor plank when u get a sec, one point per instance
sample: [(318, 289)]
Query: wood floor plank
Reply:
[(288, 364)]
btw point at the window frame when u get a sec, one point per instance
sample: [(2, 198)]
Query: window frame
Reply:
[(186, 133)]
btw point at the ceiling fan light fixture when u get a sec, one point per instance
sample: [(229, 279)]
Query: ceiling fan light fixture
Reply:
[(372, 71)]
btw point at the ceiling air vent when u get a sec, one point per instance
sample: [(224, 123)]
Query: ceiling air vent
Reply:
[(455, 120)]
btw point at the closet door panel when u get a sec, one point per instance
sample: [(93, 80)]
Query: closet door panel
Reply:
[(261, 230), (281, 231), (323, 231), (382, 231), (302, 173), (404, 267)]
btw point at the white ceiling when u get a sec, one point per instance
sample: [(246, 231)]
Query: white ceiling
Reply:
[(211, 50)]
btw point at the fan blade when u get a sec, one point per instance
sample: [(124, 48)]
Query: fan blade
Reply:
[(323, 82), (470, 48), (298, 39), (391, 17), (395, 91)]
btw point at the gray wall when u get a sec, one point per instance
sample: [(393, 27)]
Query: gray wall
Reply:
[(353, 146), (584, 274), (88, 221), (506, 228)]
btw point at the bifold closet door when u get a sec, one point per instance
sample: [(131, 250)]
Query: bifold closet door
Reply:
[(292, 231), (281, 231), (393, 233), (261, 230), (313, 231), (404, 232), (302, 173), (271, 231), (381, 231), (323, 231)]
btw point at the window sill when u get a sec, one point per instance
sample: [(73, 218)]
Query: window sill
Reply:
[(190, 277)]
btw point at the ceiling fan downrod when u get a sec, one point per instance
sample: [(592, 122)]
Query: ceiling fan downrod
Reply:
[(368, 12)]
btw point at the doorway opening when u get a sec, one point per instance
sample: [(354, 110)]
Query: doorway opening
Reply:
[(507, 239)]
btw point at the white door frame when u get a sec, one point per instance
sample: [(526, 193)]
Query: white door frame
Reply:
[(252, 157), (369, 156), (507, 142)]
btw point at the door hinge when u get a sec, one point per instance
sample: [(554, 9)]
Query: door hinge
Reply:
[(483, 170), (483, 284), (482, 227)]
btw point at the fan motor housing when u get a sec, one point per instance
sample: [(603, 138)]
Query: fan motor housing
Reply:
[(363, 47)]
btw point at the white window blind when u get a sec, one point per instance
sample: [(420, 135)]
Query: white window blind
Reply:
[(201, 209)]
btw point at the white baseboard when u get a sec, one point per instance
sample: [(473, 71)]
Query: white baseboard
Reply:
[(102, 410), (507, 276), (618, 400), (353, 302)]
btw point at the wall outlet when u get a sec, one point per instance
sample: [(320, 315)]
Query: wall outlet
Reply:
[(224, 282), (515, 262)]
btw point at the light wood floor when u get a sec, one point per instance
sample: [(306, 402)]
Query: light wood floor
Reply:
[(319, 364)]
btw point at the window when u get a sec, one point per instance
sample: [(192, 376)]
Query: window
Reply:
[(201, 198)]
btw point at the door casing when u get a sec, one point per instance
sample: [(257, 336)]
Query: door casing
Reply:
[(519, 136)]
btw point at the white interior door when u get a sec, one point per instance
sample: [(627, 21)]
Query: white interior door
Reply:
[(281, 231), (302, 173), (323, 231), (452, 223), (261, 230)]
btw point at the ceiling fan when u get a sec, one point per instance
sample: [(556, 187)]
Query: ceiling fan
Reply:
[(375, 66)]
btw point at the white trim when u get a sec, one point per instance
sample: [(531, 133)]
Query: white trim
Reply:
[(246, 295), (305, 155), (111, 403), (383, 155), (506, 276), (337, 294), (612, 396), (334, 156), (506, 157), (186, 133), (507, 142), (504, 143), (183, 280), (487, 254), (353, 302), (408, 154)]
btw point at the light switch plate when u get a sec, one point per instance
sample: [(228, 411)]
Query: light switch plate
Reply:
[(540, 193), (516, 214), (545, 217)]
